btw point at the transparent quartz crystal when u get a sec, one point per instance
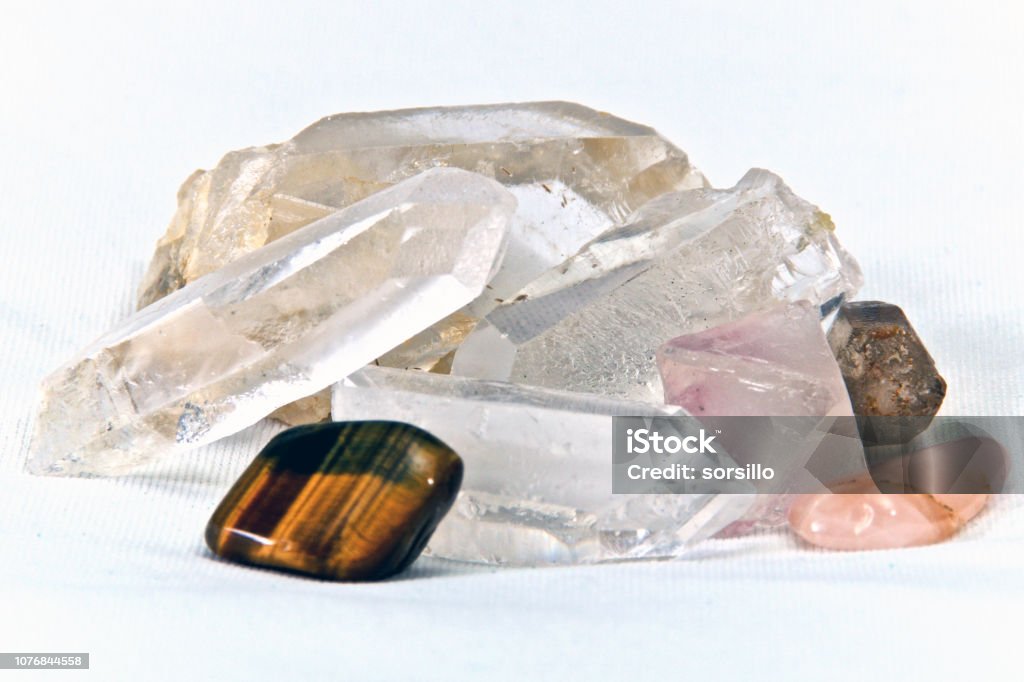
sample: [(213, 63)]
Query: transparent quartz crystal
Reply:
[(538, 478), (684, 262), (282, 322), (575, 172)]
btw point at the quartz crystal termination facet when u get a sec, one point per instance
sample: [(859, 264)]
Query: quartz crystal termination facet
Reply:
[(279, 324), (574, 171), (684, 262), (537, 487)]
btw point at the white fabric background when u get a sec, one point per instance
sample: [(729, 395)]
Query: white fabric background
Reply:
[(902, 120)]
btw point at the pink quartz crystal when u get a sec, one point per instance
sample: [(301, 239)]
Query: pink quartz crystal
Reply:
[(774, 363), (771, 364)]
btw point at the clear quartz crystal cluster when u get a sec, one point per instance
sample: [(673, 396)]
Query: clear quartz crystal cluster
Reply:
[(574, 171), (543, 280), (684, 262), (278, 324)]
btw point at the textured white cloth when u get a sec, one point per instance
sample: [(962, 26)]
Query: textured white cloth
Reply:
[(903, 122)]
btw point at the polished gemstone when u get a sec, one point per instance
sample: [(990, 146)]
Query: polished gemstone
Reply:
[(538, 486), (343, 501), (932, 491), (771, 363), (683, 263), (862, 519), (279, 324), (887, 370)]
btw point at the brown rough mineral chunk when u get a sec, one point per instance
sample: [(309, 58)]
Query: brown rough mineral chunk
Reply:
[(887, 370)]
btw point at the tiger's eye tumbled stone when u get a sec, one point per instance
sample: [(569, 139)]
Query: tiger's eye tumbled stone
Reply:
[(344, 501)]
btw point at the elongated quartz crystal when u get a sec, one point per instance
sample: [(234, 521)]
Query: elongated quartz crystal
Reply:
[(575, 172), (278, 324), (538, 481), (684, 262)]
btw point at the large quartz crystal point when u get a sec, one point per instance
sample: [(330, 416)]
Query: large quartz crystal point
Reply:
[(684, 262), (538, 479), (278, 324), (576, 172)]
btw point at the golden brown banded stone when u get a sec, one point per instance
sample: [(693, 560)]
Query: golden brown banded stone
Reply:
[(344, 501)]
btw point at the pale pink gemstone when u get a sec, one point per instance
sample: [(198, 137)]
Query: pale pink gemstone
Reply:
[(771, 363), (868, 520)]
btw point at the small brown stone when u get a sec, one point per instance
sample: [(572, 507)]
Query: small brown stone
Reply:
[(887, 370), (343, 501)]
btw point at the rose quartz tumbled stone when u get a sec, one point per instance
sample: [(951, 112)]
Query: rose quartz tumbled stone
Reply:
[(865, 520)]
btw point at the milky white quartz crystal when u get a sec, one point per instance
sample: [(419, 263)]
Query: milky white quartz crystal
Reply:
[(275, 325), (575, 172), (684, 262), (538, 478)]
